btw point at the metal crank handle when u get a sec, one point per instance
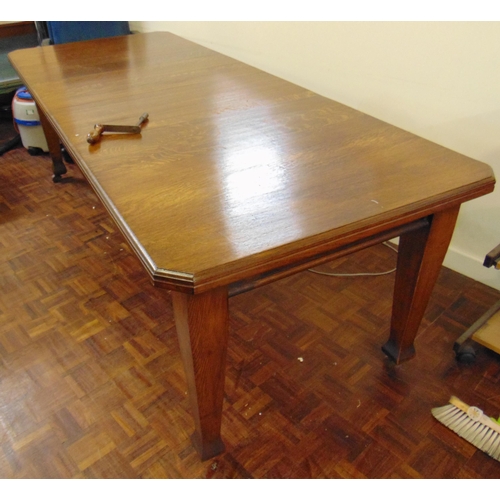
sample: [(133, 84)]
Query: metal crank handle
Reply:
[(95, 135), (143, 118)]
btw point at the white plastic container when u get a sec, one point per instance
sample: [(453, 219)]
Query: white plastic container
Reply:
[(27, 120)]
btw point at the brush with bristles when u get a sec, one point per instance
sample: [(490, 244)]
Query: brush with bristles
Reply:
[(472, 424)]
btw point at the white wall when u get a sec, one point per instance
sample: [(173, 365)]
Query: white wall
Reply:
[(439, 80)]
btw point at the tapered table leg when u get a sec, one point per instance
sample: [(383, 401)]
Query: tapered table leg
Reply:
[(59, 168), (202, 328), (420, 256)]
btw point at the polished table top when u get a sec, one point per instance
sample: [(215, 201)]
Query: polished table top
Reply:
[(240, 178), (237, 172)]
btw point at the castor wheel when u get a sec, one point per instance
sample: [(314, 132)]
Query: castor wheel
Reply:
[(466, 355), (32, 151)]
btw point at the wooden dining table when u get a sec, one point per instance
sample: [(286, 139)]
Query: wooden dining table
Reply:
[(240, 178)]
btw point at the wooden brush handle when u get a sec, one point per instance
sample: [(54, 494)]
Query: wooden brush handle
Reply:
[(459, 404), (475, 413)]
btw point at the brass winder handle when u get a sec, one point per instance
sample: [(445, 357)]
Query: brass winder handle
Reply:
[(95, 135)]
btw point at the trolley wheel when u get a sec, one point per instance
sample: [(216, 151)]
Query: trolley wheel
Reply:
[(466, 355)]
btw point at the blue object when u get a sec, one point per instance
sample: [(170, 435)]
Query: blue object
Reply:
[(23, 93), (27, 123), (76, 31)]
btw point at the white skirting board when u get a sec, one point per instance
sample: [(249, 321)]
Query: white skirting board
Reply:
[(472, 267), (469, 266)]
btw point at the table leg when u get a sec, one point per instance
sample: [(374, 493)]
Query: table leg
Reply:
[(59, 168), (202, 328), (420, 256)]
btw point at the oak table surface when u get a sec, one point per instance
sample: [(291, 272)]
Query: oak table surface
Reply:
[(240, 178)]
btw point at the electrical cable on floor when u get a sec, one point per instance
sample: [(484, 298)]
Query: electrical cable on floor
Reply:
[(10, 144), (354, 275)]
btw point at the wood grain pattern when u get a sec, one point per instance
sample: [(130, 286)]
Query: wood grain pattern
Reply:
[(202, 328), (54, 144), (237, 172), (258, 176), (421, 254), (90, 361), (17, 28)]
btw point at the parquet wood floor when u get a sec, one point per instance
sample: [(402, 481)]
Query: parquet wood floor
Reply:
[(92, 386)]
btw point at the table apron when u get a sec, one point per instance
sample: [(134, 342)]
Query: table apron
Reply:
[(284, 271)]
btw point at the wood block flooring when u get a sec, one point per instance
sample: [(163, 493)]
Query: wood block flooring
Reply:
[(92, 385)]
